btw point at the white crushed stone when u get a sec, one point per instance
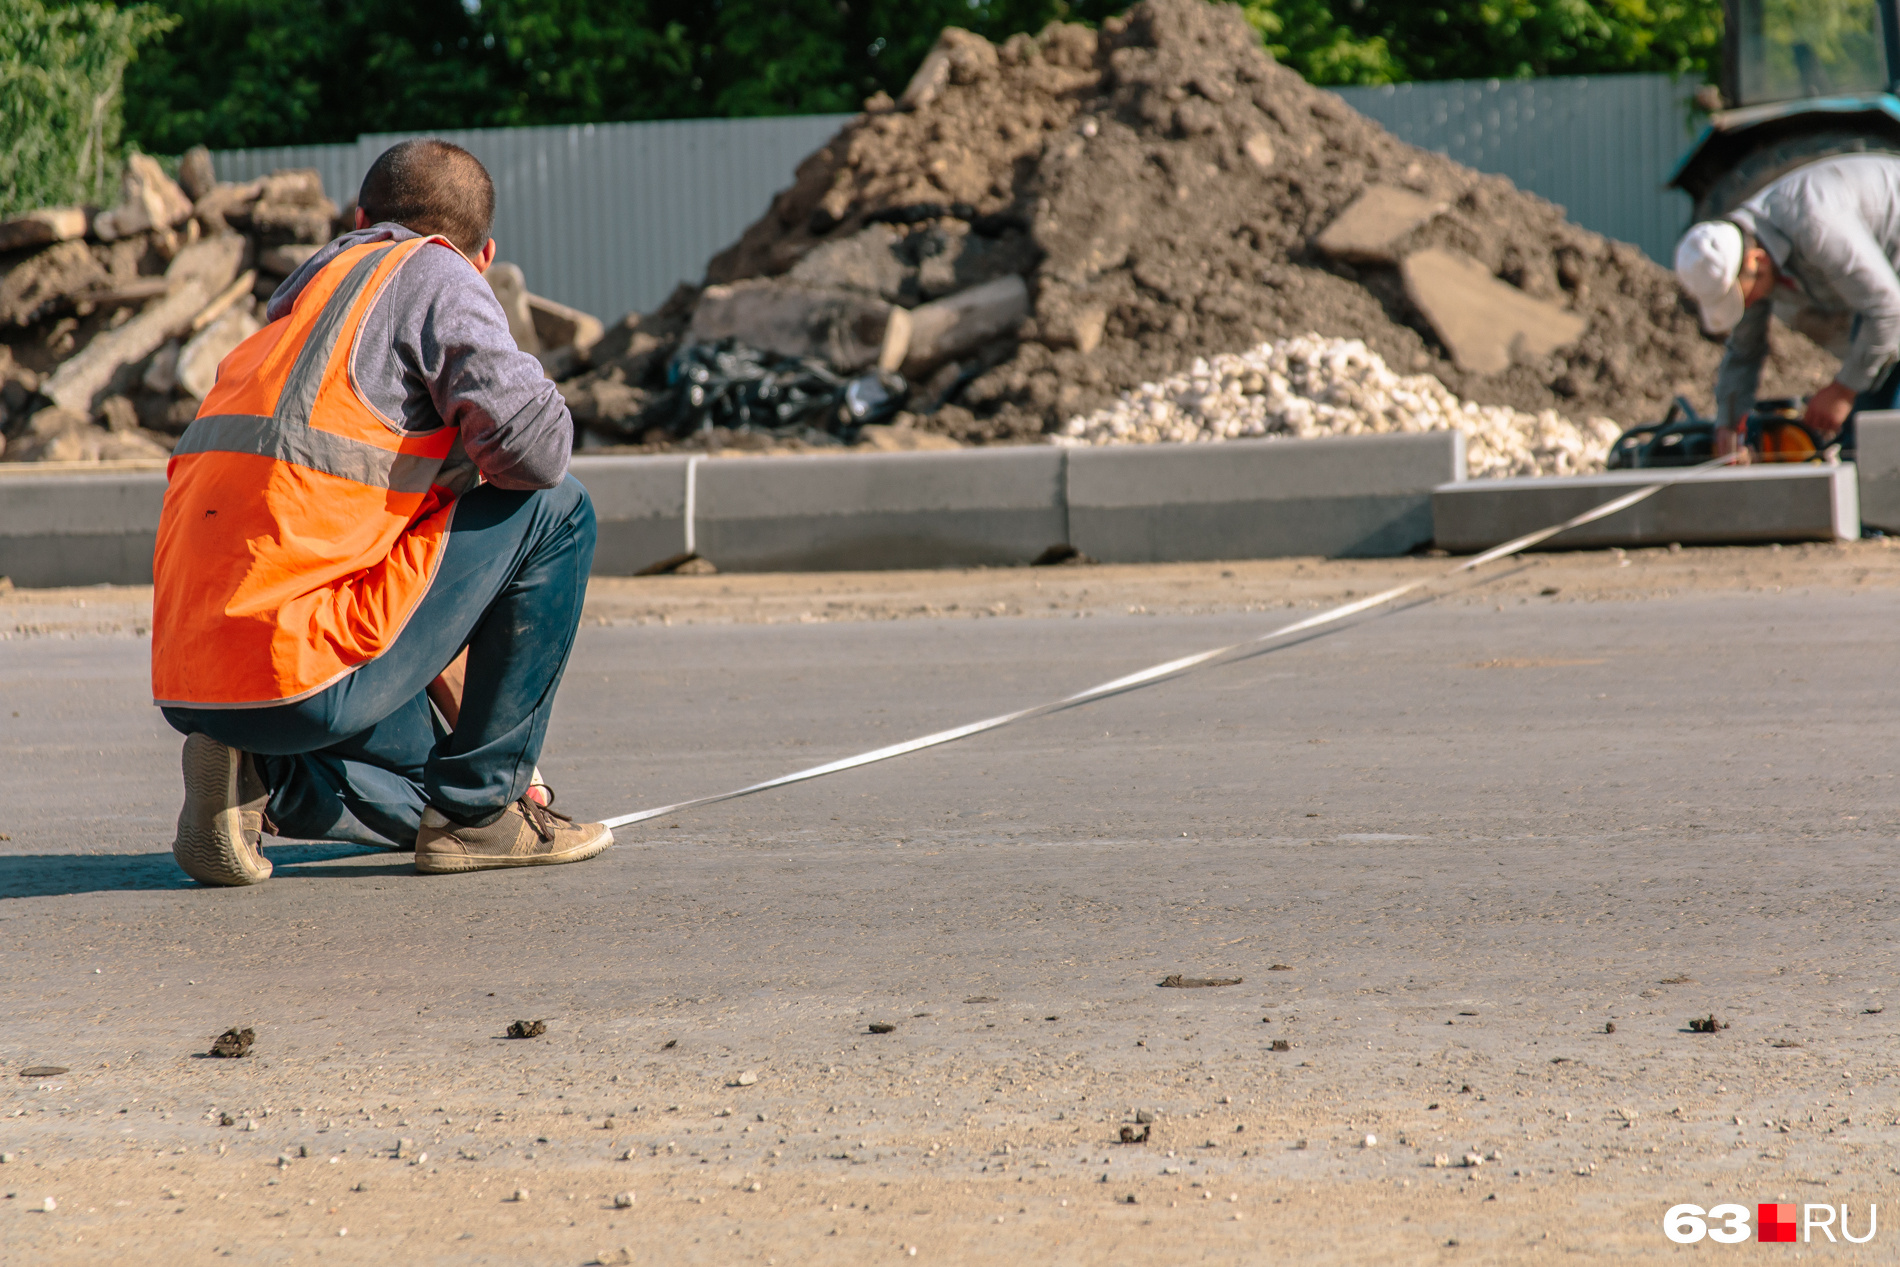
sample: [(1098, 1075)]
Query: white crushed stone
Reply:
[(1311, 386)]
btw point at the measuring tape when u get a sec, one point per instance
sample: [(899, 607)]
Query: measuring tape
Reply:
[(1174, 668)]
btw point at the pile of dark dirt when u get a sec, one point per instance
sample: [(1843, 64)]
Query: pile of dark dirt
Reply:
[(1163, 181)]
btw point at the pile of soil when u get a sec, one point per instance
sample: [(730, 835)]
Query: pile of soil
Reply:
[(1167, 177)]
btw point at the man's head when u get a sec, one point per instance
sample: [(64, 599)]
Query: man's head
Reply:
[(1725, 271), (432, 187)]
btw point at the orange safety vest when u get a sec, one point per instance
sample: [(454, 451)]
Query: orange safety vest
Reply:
[(301, 527)]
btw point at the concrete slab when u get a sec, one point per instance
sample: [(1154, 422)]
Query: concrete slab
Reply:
[(1367, 496), (974, 507), (1485, 324), (1877, 464), (1794, 502), (79, 528), (1353, 497), (1367, 230), (639, 509)]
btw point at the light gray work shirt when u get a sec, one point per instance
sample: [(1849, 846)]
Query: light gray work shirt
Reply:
[(1833, 230)]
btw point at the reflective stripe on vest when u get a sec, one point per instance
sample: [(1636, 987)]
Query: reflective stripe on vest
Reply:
[(301, 527)]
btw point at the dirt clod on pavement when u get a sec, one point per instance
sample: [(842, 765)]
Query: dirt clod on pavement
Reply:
[(527, 1029), (1129, 1135), (1172, 180), (1706, 1024), (234, 1043)]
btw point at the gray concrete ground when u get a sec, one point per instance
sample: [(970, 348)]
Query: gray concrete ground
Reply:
[(1445, 849)]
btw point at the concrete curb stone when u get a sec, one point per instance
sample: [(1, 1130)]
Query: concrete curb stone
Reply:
[(1738, 505)]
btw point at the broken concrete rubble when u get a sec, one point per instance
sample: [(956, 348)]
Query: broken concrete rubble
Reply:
[(148, 199), (511, 291), (1185, 196), (196, 368), (567, 335), (1487, 325), (846, 329), (111, 326), (196, 276), (1367, 231), (947, 328)]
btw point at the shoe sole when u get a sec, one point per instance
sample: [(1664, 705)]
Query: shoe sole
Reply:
[(449, 863), (210, 842)]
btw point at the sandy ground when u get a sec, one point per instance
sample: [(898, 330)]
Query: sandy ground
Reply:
[(1443, 850), (1068, 591)]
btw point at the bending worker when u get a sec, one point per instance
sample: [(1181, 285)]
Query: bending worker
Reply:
[(1816, 248), (376, 485)]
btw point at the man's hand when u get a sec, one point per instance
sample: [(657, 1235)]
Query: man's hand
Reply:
[(1828, 410)]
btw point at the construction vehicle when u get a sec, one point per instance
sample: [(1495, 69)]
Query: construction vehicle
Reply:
[(1801, 80)]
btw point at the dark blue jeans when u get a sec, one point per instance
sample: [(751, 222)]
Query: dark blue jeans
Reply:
[(360, 761)]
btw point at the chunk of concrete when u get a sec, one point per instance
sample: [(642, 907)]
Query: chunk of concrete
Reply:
[(1877, 467), (1342, 497), (639, 509), (196, 174), (198, 361), (1485, 324), (974, 507), (511, 290), (148, 199), (41, 282), (949, 327), (42, 228), (224, 203), (1369, 228), (946, 328), (1794, 501), (85, 528), (282, 261), (567, 335), (848, 331)]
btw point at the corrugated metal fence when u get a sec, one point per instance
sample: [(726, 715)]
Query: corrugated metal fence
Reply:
[(609, 217), (1600, 146)]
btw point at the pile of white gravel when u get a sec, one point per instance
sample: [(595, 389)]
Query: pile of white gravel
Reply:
[(1313, 386)]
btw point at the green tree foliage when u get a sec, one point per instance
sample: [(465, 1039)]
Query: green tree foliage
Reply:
[(272, 72), (1385, 41), (61, 69)]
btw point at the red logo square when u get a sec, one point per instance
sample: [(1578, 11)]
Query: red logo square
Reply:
[(1774, 1222)]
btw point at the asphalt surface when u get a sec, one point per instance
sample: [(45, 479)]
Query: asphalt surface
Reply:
[(1442, 848)]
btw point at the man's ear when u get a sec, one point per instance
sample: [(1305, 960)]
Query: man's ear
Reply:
[(484, 257), (362, 218)]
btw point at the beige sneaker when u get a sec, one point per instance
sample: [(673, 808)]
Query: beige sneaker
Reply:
[(221, 827), (526, 835)]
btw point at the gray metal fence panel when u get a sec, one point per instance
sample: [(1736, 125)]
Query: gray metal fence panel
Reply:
[(609, 217), (1599, 146)]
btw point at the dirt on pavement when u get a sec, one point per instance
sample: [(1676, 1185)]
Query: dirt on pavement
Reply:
[(1074, 592)]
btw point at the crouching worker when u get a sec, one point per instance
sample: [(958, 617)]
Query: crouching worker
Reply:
[(377, 483)]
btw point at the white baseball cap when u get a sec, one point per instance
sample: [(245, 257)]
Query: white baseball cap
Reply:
[(1708, 262)]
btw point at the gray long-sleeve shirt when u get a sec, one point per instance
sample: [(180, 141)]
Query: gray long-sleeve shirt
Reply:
[(435, 348), (1833, 230)]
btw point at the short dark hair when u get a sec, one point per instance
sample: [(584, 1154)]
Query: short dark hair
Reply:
[(431, 186)]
